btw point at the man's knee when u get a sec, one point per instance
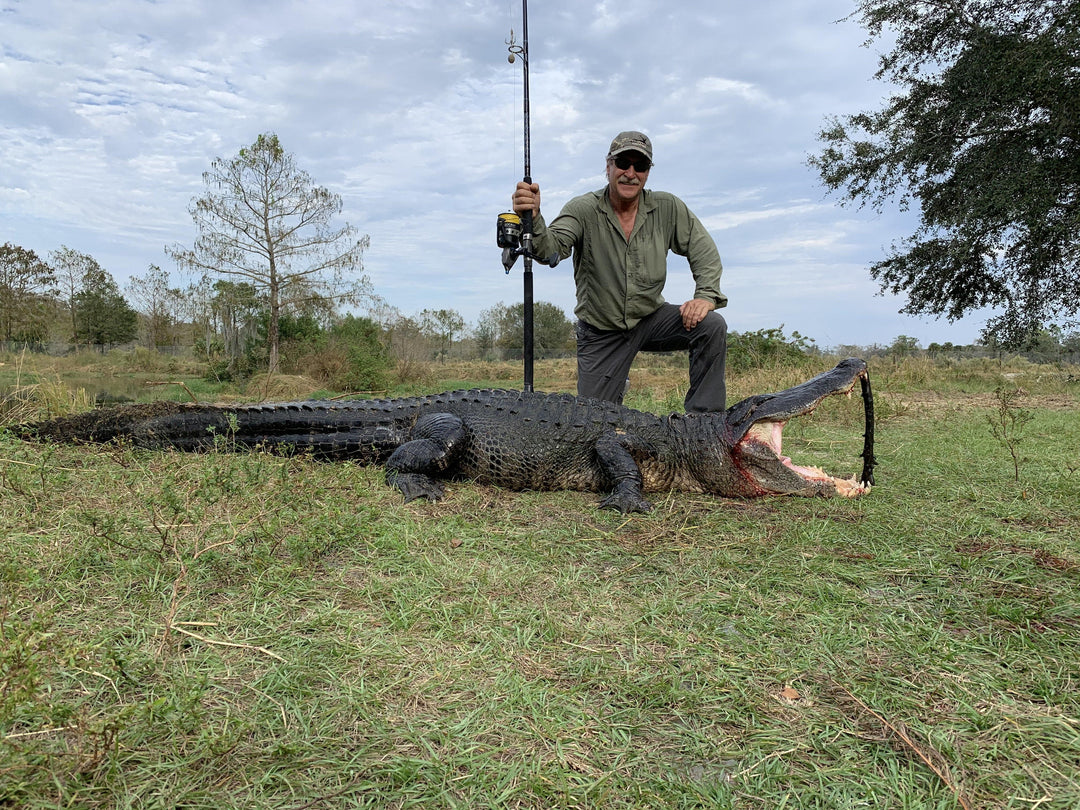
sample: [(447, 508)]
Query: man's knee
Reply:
[(715, 322), (609, 387), (713, 331)]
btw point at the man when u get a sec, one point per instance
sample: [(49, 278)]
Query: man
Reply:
[(620, 237)]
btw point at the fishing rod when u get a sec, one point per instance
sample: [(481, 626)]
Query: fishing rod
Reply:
[(514, 233)]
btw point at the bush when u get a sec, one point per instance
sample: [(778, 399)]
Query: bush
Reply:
[(347, 357), (750, 350)]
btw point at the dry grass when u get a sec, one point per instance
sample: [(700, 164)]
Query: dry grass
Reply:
[(280, 387), (31, 397)]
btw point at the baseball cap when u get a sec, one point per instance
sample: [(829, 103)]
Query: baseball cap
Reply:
[(631, 141)]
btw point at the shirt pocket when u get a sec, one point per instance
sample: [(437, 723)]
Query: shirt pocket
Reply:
[(646, 265)]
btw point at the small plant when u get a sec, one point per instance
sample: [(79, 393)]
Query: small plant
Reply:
[(1008, 422)]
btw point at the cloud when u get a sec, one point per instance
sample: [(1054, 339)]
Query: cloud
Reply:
[(744, 91), (736, 219), (412, 113)]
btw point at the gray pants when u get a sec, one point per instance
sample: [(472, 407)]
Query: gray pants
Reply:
[(604, 356)]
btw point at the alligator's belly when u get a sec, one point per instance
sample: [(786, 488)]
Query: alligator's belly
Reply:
[(515, 467)]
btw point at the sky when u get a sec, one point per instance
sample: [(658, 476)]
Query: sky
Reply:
[(112, 110)]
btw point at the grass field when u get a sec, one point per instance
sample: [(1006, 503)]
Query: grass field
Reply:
[(249, 631)]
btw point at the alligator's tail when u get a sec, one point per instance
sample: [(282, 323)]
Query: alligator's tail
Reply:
[(352, 429), (189, 424)]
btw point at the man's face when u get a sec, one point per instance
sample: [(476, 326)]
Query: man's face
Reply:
[(626, 174)]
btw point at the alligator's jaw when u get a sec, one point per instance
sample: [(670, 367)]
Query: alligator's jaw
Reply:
[(758, 423)]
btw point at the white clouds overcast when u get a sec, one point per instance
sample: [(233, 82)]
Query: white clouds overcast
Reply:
[(112, 110)]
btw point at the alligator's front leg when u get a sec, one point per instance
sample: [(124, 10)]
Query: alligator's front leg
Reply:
[(434, 442), (615, 460)]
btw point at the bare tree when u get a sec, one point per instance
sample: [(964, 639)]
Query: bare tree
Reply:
[(266, 221), (158, 303)]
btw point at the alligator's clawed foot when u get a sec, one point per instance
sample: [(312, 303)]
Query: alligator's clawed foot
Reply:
[(626, 498), (415, 485)]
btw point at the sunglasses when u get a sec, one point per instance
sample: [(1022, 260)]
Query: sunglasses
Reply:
[(641, 165)]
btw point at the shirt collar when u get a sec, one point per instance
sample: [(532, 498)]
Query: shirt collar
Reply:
[(645, 203)]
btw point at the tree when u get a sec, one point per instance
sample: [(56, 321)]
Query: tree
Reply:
[(264, 220), (73, 269), (158, 303), (751, 350), (487, 330), (984, 133), (99, 313), (442, 325), (367, 361), (552, 330), (27, 294), (1070, 346), (103, 317), (390, 320), (903, 346), (235, 313)]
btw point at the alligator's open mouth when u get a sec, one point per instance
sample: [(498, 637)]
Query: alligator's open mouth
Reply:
[(759, 422), (770, 434)]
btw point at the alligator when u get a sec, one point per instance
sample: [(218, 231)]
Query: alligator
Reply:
[(514, 439)]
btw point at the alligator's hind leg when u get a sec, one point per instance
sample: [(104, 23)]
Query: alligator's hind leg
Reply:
[(434, 443), (618, 464)]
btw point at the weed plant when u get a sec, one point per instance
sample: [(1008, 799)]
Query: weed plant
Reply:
[(248, 631)]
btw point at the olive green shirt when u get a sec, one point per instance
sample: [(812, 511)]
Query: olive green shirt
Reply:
[(619, 280)]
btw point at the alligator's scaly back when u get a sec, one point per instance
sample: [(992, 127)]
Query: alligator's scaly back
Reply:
[(510, 438)]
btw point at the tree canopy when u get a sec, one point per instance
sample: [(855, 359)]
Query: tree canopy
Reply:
[(553, 333), (984, 134), (74, 271), (102, 316), (26, 294), (264, 219), (159, 303)]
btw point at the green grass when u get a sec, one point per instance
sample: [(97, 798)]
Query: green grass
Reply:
[(248, 631)]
